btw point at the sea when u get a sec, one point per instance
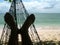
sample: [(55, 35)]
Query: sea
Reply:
[(40, 19), (47, 19)]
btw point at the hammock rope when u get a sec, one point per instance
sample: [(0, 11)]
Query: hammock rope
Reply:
[(19, 13)]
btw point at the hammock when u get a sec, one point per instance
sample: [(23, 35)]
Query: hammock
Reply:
[(19, 13)]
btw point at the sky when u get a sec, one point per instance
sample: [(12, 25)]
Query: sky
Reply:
[(35, 6)]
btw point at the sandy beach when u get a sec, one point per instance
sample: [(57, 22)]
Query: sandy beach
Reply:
[(1, 29), (46, 33)]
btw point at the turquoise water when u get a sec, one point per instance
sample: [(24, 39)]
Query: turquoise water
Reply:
[(1, 18), (47, 19), (41, 18)]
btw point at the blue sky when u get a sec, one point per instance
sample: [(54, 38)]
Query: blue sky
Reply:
[(1, 0), (35, 6)]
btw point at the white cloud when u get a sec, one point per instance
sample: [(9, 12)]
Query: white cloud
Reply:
[(36, 6), (4, 6)]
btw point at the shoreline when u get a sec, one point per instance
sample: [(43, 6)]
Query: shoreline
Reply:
[(46, 33)]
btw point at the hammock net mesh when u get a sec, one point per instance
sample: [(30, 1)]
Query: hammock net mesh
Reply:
[(18, 11)]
